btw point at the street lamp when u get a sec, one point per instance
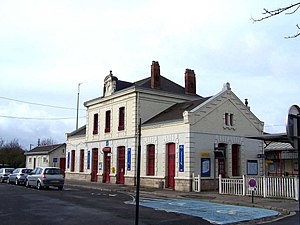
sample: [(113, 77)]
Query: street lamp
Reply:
[(77, 105)]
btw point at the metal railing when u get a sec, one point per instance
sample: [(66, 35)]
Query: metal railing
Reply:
[(278, 187)]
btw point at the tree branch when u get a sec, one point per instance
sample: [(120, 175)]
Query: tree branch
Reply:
[(270, 13), (296, 35)]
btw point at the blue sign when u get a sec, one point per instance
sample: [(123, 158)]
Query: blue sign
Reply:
[(129, 159), (205, 167), (55, 160), (88, 159), (106, 143), (181, 158), (252, 183), (68, 164)]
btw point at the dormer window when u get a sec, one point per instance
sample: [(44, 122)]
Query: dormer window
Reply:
[(110, 84)]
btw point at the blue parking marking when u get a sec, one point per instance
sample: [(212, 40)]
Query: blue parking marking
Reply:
[(213, 212)]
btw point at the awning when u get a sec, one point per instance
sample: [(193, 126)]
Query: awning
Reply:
[(106, 149)]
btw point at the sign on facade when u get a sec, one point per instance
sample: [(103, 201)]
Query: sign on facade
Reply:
[(129, 159), (181, 158), (252, 167), (205, 167)]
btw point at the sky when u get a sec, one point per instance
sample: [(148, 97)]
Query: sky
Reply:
[(48, 47)]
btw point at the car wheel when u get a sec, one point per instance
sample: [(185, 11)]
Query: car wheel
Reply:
[(27, 183), (39, 186), (60, 188), (7, 181), (17, 182)]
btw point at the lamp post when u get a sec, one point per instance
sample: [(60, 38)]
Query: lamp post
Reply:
[(77, 105)]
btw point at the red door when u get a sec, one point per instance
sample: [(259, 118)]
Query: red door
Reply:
[(94, 165), (171, 166), (62, 165), (106, 177), (121, 165)]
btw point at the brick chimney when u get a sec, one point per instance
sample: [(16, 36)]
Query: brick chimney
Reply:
[(190, 82), (155, 75)]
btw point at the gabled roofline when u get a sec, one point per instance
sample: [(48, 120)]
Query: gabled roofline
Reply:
[(56, 146), (73, 133)]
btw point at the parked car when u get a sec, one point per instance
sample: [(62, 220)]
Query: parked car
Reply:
[(44, 177), (4, 172), (18, 176)]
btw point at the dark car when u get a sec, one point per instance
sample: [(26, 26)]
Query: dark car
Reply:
[(44, 177), (4, 172), (18, 176)]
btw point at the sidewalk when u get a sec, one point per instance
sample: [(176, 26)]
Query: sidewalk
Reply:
[(282, 205)]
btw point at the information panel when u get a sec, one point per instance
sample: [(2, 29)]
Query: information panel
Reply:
[(181, 158)]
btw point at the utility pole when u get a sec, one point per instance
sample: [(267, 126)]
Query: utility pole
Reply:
[(138, 176), (77, 105)]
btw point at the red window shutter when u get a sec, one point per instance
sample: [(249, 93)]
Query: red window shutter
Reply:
[(121, 118), (95, 130), (235, 160), (107, 122), (72, 160), (81, 160), (151, 160)]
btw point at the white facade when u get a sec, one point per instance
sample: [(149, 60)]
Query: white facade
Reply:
[(107, 153), (52, 155)]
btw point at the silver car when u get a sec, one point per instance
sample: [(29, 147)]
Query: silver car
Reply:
[(18, 176), (4, 172), (44, 177)]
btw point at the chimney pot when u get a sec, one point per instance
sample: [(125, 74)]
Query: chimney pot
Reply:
[(190, 82), (155, 75)]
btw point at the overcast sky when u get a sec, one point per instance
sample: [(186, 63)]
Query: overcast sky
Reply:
[(48, 47)]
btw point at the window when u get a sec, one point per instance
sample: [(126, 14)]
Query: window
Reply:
[(95, 127), (107, 121), (121, 118), (81, 160), (150, 160), (235, 160), (228, 119), (231, 119), (72, 160)]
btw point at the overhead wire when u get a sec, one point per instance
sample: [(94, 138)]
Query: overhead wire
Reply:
[(39, 104), (36, 118)]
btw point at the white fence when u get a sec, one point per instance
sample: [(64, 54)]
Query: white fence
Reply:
[(278, 187)]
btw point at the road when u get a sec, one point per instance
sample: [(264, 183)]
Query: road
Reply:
[(84, 206), (72, 206)]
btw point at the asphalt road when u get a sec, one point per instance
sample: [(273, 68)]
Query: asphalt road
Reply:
[(72, 206)]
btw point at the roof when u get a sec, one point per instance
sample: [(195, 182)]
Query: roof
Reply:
[(281, 137), (175, 112), (165, 85), (279, 146), (43, 150), (79, 132)]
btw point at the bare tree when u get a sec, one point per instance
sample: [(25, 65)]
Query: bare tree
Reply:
[(288, 10), (47, 141)]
